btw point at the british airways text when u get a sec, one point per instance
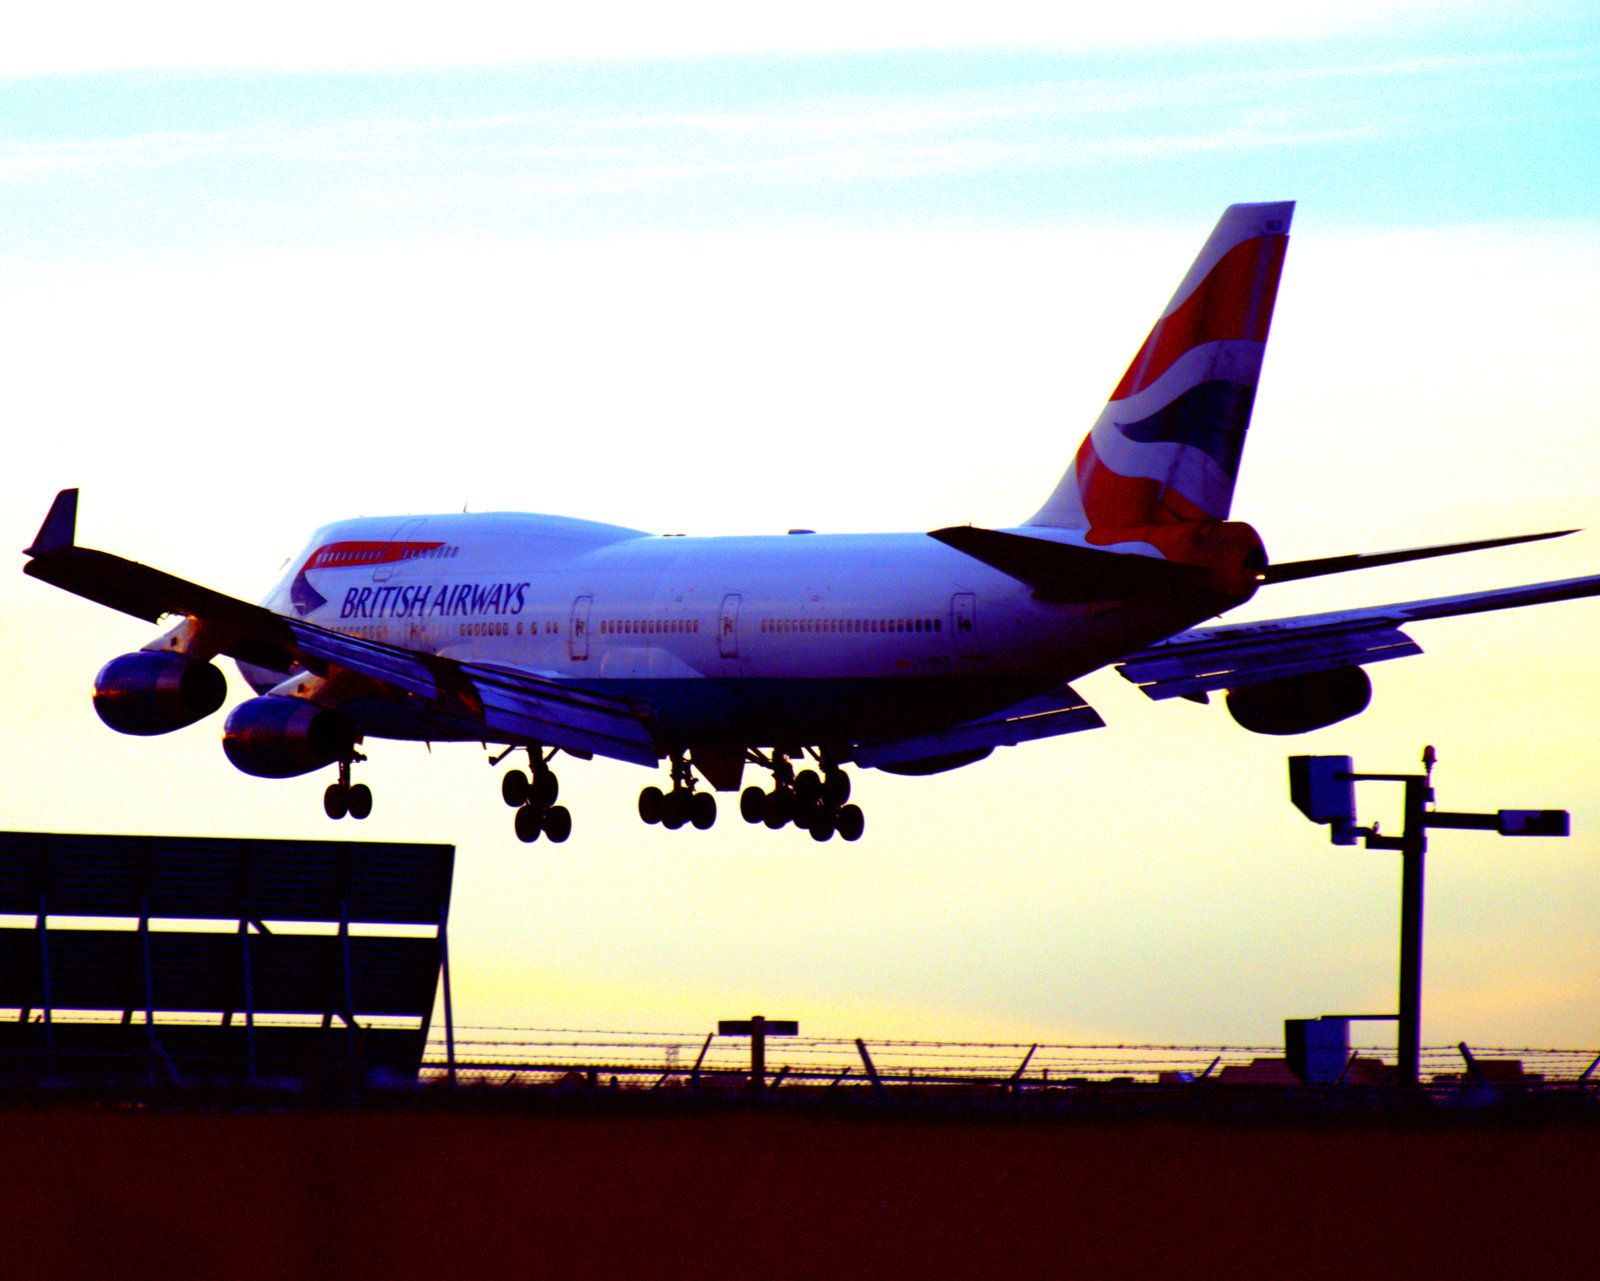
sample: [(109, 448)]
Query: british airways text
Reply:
[(444, 600)]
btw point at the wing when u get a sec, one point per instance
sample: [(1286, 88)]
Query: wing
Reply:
[(501, 702), (1195, 662)]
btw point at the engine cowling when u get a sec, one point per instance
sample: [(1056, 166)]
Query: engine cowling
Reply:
[(156, 692), (278, 737), (1296, 704)]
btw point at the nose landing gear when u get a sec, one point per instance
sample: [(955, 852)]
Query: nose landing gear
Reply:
[(344, 797), (534, 799)]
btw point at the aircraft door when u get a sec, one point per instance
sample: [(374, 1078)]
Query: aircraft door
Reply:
[(578, 629), (728, 629), (964, 624)]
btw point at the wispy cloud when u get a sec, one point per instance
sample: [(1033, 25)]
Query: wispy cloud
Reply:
[(97, 35)]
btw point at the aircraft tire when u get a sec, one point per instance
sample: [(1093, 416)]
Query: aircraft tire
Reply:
[(514, 787), (836, 788), (558, 823), (776, 808), (703, 811), (807, 787), (851, 822), (651, 804), (527, 824), (674, 810), (335, 803), (544, 789), (752, 804), (360, 800), (821, 826)]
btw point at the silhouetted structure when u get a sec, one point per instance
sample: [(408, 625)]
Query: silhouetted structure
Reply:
[(208, 1006)]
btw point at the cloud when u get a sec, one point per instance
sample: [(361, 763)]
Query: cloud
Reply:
[(97, 36)]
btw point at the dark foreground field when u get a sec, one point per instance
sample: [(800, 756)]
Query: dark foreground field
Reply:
[(746, 1192)]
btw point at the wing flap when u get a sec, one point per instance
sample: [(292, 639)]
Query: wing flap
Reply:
[(1062, 711)]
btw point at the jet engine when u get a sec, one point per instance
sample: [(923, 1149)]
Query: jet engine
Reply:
[(278, 737), (156, 692), (1295, 704)]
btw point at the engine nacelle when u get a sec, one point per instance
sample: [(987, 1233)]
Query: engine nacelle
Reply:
[(1296, 704), (925, 765), (157, 691), (278, 737)]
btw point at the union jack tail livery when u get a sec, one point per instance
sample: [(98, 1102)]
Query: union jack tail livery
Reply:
[(1159, 466)]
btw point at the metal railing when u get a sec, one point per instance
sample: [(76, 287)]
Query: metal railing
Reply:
[(503, 1055)]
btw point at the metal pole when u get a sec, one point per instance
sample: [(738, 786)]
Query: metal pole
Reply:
[(1413, 866), (444, 973), (758, 1054)]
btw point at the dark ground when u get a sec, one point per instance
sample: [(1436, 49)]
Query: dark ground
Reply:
[(749, 1192)]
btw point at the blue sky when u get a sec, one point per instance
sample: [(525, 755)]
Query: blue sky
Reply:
[(871, 269), (1410, 130)]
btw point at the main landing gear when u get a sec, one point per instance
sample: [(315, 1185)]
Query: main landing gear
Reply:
[(682, 804), (345, 797), (815, 803), (534, 799)]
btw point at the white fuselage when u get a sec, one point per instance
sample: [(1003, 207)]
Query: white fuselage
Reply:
[(806, 638)]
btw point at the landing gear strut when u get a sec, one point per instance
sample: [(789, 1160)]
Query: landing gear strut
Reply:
[(534, 799), (682, 804), (345, 797), (813, 802)]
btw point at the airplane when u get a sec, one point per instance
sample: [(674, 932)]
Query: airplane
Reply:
[(912, 653)]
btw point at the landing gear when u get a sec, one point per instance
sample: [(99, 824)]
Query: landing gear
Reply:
[(815, 803), (345, 797), (682, 805), (534, 799)]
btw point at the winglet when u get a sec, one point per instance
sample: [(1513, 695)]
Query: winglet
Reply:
[(60, 528)]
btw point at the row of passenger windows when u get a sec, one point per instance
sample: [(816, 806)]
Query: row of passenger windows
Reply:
[(649, 626), (839, 626), (367, 555)]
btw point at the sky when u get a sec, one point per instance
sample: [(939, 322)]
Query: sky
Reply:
[(847, 268)]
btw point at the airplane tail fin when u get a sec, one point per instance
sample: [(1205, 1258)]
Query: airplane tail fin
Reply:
[(1159, 466)]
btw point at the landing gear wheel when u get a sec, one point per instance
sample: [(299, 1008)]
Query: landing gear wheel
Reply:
[(752, 804), (651, 803), (821, 825), (851, 822), (777, 808), (808, 813), (544, 789), (835, 788), (674, 810), (514, 787), (807, 787), (558, 823), (360, 800), (702, 810), (336, 801), (527, 824)]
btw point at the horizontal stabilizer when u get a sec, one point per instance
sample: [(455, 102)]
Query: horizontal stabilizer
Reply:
[(1291, 571), (1063, 571)]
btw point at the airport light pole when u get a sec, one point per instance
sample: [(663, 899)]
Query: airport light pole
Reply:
[(1323, 789)]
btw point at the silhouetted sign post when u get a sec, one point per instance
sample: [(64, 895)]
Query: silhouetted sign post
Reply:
[(1323, 789), (758, 1029)]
